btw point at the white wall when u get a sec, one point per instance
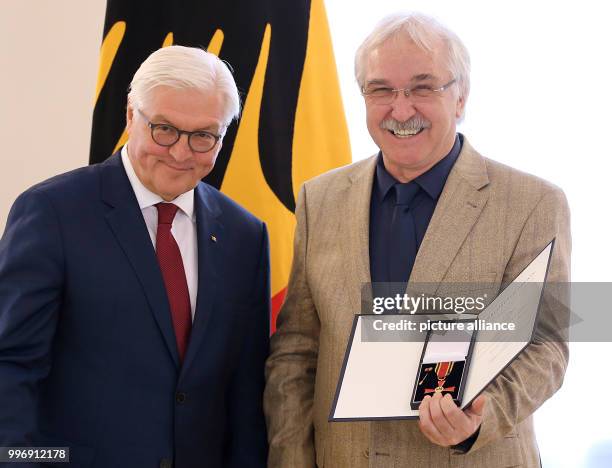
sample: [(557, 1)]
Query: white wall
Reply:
[(48, 70), (540, 101)]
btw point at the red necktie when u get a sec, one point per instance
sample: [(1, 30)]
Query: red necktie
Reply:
[(173, 272)]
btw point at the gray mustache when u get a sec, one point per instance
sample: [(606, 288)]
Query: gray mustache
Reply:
[(415, 123)]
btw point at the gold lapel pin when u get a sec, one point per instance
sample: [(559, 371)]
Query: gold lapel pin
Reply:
[(213, 238)]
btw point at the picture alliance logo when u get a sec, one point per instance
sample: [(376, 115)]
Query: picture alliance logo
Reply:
[(405, 303)]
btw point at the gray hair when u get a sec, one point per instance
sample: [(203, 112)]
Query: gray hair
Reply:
[(424, 31), (186, 67)]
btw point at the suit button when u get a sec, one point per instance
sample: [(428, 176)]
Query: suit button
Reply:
[(181, 397), (165, 463), (366, 453)]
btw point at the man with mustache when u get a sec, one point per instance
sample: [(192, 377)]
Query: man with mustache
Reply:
[(134, 298), (426, 209)]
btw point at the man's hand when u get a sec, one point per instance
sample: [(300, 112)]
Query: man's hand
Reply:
[(445, 424)]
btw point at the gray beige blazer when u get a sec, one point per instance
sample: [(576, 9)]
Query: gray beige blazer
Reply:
[(489, 223)]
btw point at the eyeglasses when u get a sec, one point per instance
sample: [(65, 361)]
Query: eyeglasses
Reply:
[(167, 135), (420, 93)]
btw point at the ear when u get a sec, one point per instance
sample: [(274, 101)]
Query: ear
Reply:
[(129, 116), (460, 106)]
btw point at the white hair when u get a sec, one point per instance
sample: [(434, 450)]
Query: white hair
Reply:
[(424, 31), (186, 67)]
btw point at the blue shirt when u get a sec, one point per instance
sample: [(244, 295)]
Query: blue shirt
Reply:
[(430, 185)]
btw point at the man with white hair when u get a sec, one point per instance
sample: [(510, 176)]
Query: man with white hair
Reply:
[(427, 209), (134, 299)]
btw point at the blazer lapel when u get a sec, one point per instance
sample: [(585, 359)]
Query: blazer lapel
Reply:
[(460, 204), (358, 245), (126, 221), (211, 242)]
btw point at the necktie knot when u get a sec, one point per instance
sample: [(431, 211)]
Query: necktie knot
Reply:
[(405, 193), (166, 212)]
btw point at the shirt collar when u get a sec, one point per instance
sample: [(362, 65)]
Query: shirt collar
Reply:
[(432, 181), (146, 198)]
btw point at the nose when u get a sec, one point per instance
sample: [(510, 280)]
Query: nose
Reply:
[(402, 107), (181, 151)]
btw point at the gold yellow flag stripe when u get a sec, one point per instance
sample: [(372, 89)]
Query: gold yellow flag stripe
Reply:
[(320, 138), (108, 51), (244, 179), (168, 40), (214, 46)]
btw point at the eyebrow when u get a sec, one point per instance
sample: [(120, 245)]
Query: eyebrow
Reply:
[(423, 77), (377, 81)]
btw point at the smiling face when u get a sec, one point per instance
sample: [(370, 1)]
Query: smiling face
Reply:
[(172, 171), (413, 135)]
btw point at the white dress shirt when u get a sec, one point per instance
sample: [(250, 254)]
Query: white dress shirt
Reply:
[(183, 226)]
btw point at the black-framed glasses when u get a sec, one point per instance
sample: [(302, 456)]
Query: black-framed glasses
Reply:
[(380, 94), (164, 134)]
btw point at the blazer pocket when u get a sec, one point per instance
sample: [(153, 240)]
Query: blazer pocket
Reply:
[(511, 454)]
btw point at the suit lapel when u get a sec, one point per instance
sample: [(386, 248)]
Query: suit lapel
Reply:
[(211, 244), (358, 246), (126, 221), (460, 204)]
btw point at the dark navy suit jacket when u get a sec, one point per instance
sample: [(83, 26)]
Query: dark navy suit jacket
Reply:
[(88, 357)]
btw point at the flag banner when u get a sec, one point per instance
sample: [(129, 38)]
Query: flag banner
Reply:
[(292, 126)]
